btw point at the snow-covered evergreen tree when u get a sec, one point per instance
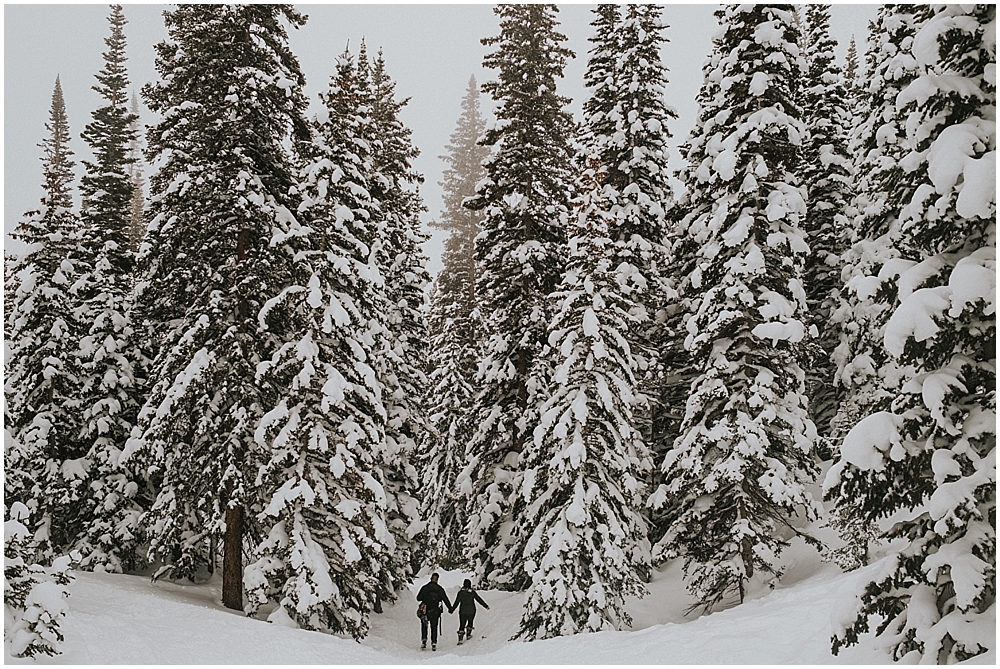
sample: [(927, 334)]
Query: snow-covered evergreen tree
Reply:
[(328, 540), (42, 373), (454, 333), (929, 459), (866, 375), (738, 470), (402, 262), (525, 199), (868, 379), (34, 596), (136, 224), (626, 121), (108, 350), (851, 72), (229, 100), (827, 172), (585, 470)]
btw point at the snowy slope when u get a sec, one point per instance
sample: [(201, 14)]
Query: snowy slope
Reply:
[(128, 620)]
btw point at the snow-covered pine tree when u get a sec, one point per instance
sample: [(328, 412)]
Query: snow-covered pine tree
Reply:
[(525, 198), (403, 265), (42, 375), (827, 172), (326, 501), (674, 362), (136, 224), (587, 547), (34, 596), (929, 459), (626, 120), (877, 142), (739, 469), (851, 72), (108, 351), (229, 100), (454, 334), (867, 377)]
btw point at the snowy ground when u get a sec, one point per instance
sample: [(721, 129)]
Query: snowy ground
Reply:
[(116, 619)]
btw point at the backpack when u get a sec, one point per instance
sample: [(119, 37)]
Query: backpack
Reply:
[(422, 611)]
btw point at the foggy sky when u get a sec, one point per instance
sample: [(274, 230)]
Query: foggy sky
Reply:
[(430, 50)]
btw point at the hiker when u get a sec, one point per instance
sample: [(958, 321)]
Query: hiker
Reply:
[(465, 602), (430, 598)]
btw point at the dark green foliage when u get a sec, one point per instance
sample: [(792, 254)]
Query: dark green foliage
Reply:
[(519, 254), (230, 101)]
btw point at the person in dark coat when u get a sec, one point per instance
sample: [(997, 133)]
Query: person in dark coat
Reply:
[(465, 602), (430, 598)]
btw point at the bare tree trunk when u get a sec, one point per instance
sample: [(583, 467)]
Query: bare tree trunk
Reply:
[(232, 555)]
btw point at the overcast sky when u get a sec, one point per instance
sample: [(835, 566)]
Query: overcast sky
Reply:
[(430, 51)]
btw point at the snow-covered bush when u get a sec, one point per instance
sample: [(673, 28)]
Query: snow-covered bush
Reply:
[(34, 596)]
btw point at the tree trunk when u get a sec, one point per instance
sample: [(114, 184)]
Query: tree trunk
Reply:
[(232, 556)]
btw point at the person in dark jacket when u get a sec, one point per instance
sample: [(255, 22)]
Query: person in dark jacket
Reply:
[(465, 602), (430, 598)]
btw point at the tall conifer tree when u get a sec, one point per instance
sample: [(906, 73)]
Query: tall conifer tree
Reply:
[(626, 121), (525, 199), (108, 351), (738, 470), (827, 172), (398, 253), (928, 459), (42, 375), (327, 507), (585, 469), (229, 99), (454, 333)]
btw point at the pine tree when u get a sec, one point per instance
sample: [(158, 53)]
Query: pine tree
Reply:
[(454, 334), (868, 379), (627, 121), (401, 261), (108, 351), (851, 73), (136, 225), (827, 170), (328, 512), (230, 99), (587, 548), (675, 363), (738, 470), (42, 376), (929, 458), (877, 142), (525, 199)]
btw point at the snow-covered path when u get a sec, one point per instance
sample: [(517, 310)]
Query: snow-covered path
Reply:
[(117, 619)]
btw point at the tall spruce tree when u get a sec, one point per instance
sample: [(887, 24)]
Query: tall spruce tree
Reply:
[(827, 172), (327, 504), (867, 375), (136, 225), (400, 258), (585, 469), (851, 70), (929, 458), (108, 352), (867, 378), (229, 99), (626, 121), (519, 253), (738, 470), (452, 325), (42, 383)]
